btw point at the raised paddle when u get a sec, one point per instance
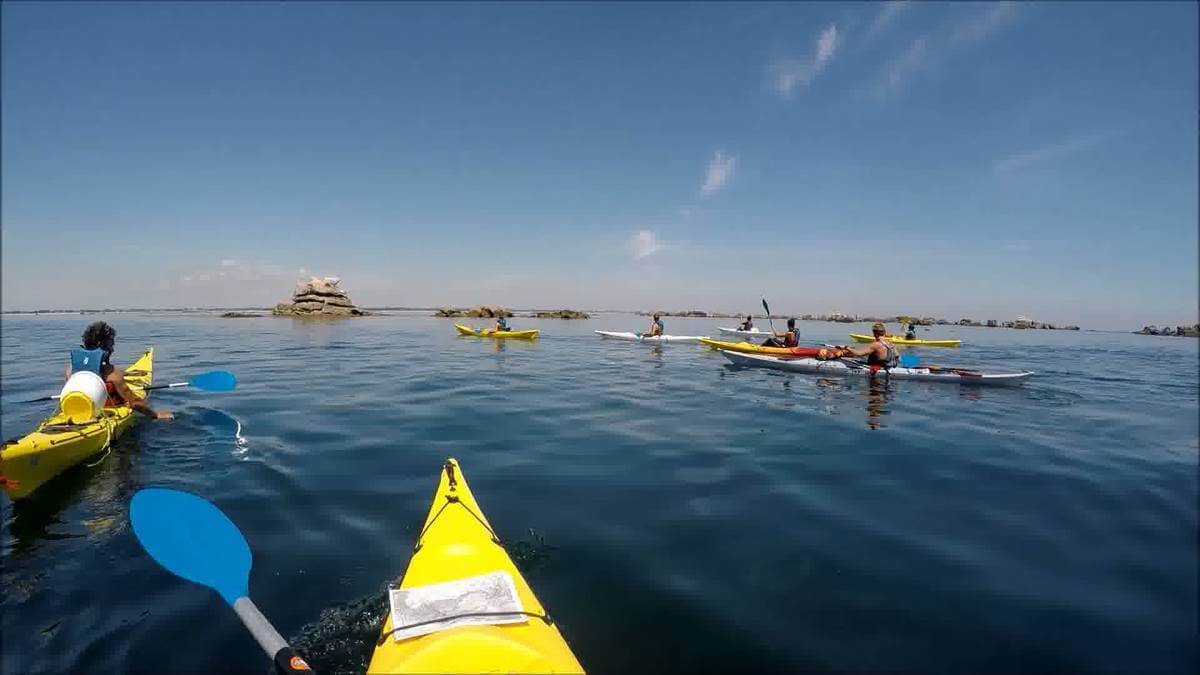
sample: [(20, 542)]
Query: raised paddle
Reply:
[(216, 380), (192, 539), (768, 310)]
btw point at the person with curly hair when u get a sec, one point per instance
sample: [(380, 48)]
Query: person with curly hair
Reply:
[(95, 354)]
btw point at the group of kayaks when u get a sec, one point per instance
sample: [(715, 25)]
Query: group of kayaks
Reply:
[(820, 360), (828, 360), (474, 611)]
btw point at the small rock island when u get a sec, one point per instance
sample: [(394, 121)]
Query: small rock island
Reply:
[(319, 298)]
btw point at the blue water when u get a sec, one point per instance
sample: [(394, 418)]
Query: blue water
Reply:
[(672, 512)]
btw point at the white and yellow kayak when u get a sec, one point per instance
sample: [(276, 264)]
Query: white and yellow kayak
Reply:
[(843, 368)]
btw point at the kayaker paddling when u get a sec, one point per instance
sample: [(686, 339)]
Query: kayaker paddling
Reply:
[(880, 354), (501, 324), (748, 324), (911, 333), (787, 338), (99, 342), (656, 327)]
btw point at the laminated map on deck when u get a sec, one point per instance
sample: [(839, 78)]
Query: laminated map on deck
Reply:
[(436, 607)]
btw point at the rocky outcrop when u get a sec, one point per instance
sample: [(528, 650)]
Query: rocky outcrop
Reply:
[(561, 314), (1178, 331), (318, 297), (476, 312), (691, 313), (240, 315)]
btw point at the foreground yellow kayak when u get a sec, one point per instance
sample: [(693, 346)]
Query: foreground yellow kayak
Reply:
[(901, 340), (750, 348), (57, 444), (489, 333), (457, 544)]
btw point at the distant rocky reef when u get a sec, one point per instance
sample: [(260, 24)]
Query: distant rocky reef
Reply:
[(319, 298), (692, 313), (476, 312), (1178, 331), (1018, 323), (560, 314), (240, 315)]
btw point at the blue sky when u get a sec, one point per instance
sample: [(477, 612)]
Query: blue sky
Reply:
[(981, 160)]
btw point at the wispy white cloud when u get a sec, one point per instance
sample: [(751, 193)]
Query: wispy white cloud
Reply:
[(927, 50), (720, 170), (992, 18), (903, 66), (231, 269), (1049, 153), (644, 243), (888, 11), (788, 74)]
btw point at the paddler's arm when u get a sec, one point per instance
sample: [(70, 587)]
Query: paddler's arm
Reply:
[(117, 377), (858, 351)]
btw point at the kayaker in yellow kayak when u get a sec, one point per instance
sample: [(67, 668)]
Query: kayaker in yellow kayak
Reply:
[(99, 341), (911, 332), (501, 324), (656, 327), (880, 353), (787, 338)]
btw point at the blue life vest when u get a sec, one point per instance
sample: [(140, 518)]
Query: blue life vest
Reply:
[(87, 359), (503, 323), (659, 323)]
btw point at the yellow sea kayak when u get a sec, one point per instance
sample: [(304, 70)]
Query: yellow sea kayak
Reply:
[(57, 444), (489, 333), (750, 348), (901, 340), (457, 544)]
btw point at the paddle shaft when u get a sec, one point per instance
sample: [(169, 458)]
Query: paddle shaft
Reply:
[(268, 638), (769, 320), (151, 387)]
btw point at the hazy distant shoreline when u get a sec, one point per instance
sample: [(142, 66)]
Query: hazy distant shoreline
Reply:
[(392, 308)]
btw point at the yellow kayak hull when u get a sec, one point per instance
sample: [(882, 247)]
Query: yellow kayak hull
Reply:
[(901, 340), (489, 333), (457, 542), (57, 445), (751, 348)]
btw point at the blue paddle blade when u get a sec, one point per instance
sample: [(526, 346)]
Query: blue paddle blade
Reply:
[(192, 539), (217, 380), (910, 360)]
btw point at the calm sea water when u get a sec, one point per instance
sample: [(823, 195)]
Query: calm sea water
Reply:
[(672, 512)]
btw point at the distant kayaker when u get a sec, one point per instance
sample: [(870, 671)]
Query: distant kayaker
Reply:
[(656, 327), (787, 338), (879, 352), (748, 324), (501, 323), (99, 341), (911, 333)]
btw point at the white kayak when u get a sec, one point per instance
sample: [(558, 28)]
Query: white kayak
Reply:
[(842, 368), (640, 338), (752, 333)]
